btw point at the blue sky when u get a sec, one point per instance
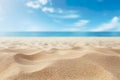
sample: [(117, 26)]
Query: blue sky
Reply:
[(60, 15)]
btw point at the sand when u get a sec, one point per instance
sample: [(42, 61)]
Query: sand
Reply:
[(60, 58)]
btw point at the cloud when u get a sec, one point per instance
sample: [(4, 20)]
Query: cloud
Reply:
[(33, 4), (42, 5), (65, 16), (43, 2), (70, 16), (36, 4), (81, 23), (48, 9), (114, 23), (77, 26)]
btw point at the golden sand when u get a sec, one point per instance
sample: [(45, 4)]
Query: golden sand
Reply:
[(60, 58)]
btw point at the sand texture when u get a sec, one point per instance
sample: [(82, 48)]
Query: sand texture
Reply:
[(60, 58)]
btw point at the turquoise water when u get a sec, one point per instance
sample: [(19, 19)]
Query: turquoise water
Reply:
[(60, 34)]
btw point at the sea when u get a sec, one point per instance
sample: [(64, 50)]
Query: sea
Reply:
[(59, 34)]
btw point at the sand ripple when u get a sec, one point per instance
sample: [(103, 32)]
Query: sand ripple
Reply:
[(84, 63)]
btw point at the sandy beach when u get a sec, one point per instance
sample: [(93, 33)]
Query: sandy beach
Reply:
[(60, 58)]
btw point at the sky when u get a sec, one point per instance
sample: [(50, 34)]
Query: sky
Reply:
[(60, 15)]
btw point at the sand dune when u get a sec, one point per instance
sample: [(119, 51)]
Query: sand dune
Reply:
[(70, 63)]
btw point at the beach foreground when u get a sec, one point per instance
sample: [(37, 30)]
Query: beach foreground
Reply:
[(60, 58)]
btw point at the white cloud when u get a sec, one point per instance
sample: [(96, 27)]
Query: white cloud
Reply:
[(114, 23), (43, 2), (37, 4), (46, 6), (77, 26), (48, 9), (33, 4), (65, 16), (42, 5), (70, 16), (81, 23)]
